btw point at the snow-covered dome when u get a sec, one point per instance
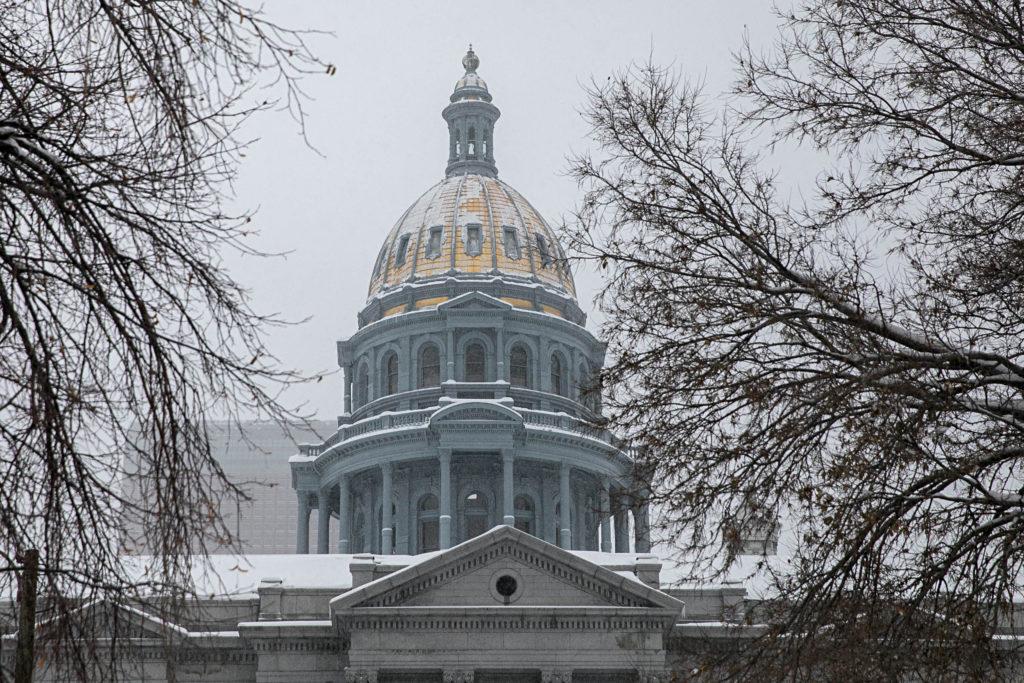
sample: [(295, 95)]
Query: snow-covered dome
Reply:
[(471, 224)]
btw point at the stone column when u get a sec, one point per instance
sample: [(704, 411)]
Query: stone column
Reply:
[(621, 523), (449, 356), (565, 501), (642, 526), (323, 522), (501, 356), (348, 388), (604, 498), (302, 540), (386, 532), (444, 457), (508, 491), (344, 515)]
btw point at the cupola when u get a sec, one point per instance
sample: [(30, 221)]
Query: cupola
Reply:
[(471, 118)]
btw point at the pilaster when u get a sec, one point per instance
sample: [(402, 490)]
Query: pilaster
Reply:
[(444, 457), (507, 489), (387, 531), (344, 515)]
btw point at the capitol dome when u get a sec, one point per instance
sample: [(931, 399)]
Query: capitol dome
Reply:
[(470, 386), (472, 226)]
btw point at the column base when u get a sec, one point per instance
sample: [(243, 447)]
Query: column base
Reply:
[(343, 546), (566, 538), (387, 546), (509, 520)]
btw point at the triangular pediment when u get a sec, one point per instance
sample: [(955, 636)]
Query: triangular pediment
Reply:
[(105, 619), (474, 301), (505, 567)]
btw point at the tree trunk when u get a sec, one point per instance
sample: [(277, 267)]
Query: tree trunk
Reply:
[(24, 658)]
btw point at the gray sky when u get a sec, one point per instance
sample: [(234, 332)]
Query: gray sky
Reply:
[(377, 124)]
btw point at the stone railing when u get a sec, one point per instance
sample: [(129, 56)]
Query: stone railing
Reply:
[(386, 421), (377, 423), (566, 423)]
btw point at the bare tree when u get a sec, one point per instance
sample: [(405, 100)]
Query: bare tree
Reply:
[(850, 361), (121, 332)]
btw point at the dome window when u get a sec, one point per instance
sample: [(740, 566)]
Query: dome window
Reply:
[(435, 241), (557, 375), (511, 243), (362, 386), (542, 249), (475, 363), (430, 366), (403, 246), (473, 240), (471, 145), (519, 367), (391, 374)]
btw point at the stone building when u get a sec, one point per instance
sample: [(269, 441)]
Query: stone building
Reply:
[(473, 520), (468, 398)]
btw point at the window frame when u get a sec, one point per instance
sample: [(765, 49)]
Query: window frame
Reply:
[(432, 251), (466, 377), (401, 248), (542, 250), (511, 236), (525, 365), (421, 382), (391, 375), (470, 229), (557, 373)]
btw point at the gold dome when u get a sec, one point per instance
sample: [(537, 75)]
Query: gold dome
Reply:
[(471, 226)]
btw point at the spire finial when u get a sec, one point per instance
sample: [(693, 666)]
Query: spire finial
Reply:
[(470, 61)]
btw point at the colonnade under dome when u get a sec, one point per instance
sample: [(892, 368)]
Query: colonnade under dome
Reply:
[(449, 497)]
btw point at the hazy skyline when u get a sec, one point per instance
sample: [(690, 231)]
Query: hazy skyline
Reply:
[(381, 141)]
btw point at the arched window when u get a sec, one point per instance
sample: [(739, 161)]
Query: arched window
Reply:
[(427, 524), (524, 514), (476, 363), (587, 388), (487, 140), (557, 375), (471, 145), (430, 366), (519, 366), (362, 386), (390, 374), (475, 512)]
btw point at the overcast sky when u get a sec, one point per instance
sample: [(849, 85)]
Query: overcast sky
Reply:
[(378, 127)]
